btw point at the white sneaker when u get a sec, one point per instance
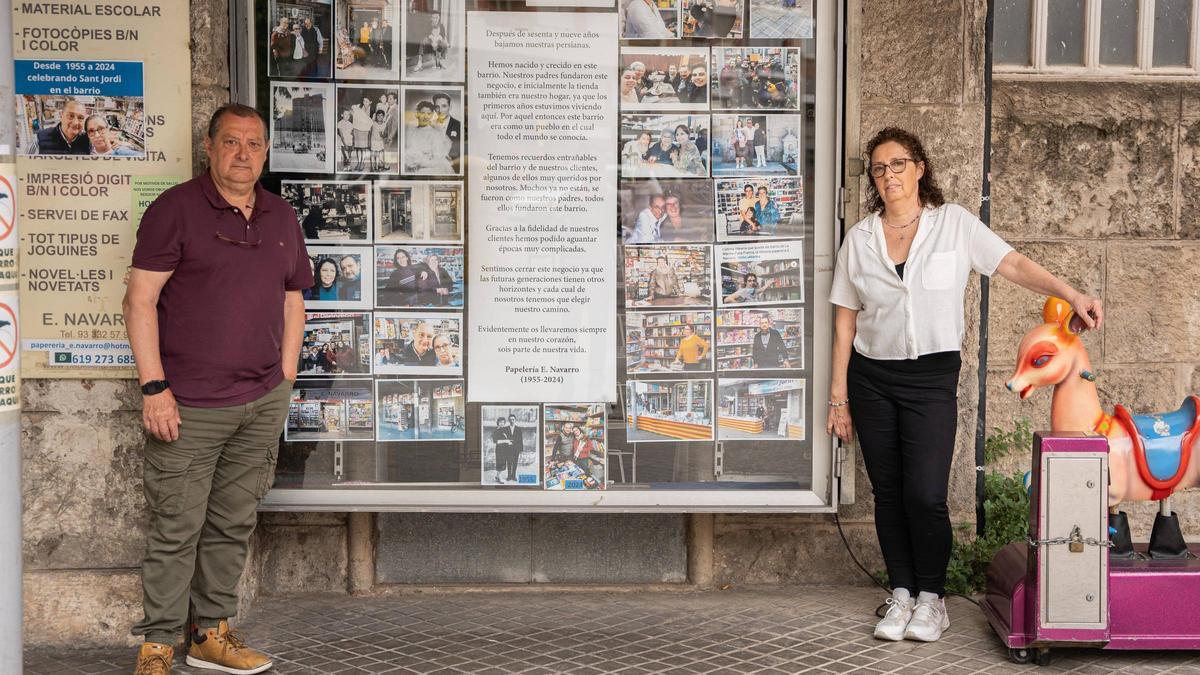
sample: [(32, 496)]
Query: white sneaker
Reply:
[(900, 610), (929, 619)]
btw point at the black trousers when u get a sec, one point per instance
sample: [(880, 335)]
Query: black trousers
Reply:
[(906, 419)]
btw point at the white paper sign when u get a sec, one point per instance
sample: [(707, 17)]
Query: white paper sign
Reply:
[(542, 239)]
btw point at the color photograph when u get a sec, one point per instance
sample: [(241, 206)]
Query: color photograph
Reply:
[(756, 145), (301, 40), (419, 211), (668, 276), (758, 208), (420, 410), (368, 129), (666, 210), (330, 212), (368, 39), (434, 41), (336, 344), (414, 343), (664, 146), (781, 19), (752, 78), (648, 19), (761, 410), (760, 274), (330, 410), (760, 339), (668, 411), (660, 342), (432, 134), (301, 128), (510, 442), (342, 276), (419, 276), (575, 446), (87, 126), (711, 18), (664, 78)]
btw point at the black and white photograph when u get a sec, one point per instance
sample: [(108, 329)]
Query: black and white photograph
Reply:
[(758, 208), (331, 211), (367, 43), (331, 409), (419, 276), (755, 78), (336, 343), (664, 78), (433, 41), (664, 146), (432, 134), (510, 442), (770, 338), (662, 342), (419, 211), (414, 343), (301, 128), (710, 18), (421, 410), (368, 129), (666, 210), (301, 40), (648, 19), (668, 411), (781, 19), (760, 410), (760, 274), (88, 126), (343, 278), (756, 145), (668, 276)]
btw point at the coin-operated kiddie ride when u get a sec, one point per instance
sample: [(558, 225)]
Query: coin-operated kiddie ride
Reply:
[(1079, 580)]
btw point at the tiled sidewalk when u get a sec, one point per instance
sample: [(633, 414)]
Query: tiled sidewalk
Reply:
[(792, 630)]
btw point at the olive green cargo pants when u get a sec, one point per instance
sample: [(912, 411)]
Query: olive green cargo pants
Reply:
[(202, 492)]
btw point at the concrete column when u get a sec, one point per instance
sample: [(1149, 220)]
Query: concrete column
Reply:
[(700, 549), (360, 539), (10, 422)]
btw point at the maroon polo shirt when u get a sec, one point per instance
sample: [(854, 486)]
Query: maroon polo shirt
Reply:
[(220, 315)]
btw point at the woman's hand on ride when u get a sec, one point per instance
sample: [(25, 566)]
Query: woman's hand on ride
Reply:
[(1089, 309), (839, 422)]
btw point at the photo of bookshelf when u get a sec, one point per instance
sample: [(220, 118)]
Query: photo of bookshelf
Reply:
[(576, 445), (760, 339), (761, 410), (668, 410), (330, 211), (759, 208), (660, 342), (668, 276), (330, 410), (335, 343), (761, 274)]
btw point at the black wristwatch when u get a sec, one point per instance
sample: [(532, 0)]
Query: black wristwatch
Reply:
[(155, 387)]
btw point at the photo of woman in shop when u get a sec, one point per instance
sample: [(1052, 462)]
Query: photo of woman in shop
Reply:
[(692, 353), (434, 283), (419, 276), (400, 289)]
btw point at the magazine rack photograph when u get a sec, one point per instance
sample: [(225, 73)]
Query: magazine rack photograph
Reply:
[(555, 253)]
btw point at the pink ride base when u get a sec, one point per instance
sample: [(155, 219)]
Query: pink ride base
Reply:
[(1152, 603)]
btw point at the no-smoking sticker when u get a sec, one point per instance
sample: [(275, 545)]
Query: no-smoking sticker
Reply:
[(8, 336), (8, 205), (10, 381)]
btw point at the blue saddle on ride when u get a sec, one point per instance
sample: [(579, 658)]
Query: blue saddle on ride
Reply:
[(1162, 437)]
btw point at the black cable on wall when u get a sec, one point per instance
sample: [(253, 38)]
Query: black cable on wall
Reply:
[(985, 214)]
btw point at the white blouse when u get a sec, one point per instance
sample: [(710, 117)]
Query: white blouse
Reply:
[(923, 312)]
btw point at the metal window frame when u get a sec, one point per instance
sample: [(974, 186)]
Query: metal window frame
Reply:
[(1142, 70), (822, 497)]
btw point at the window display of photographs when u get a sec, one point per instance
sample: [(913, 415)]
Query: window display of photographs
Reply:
[(410, 343), (330, 212), (659, 342), (419, 276), (665, 146), (419, 211), (576, 446), (301, 40), (750, 78), (756, 145), (336, 344), (343, 278), (368, 129), (761, 274), (420, 410), (668, 276), (367, 42), (301, 128), (711, 18), (668, 411), (433, 41), (331, 409), (649, 19), (662, 210), (664, 78), (432, 137), (761, 410), (760, 339), (781, 19), (509, 453), (65, 126), (757, 208)]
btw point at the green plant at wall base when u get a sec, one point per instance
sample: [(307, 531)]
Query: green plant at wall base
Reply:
[(1001, 443)]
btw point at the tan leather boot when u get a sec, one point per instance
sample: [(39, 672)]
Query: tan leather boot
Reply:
[(154, 659), (222, 649)]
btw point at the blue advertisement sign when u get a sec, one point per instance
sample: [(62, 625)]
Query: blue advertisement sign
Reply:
[(78, 78)]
